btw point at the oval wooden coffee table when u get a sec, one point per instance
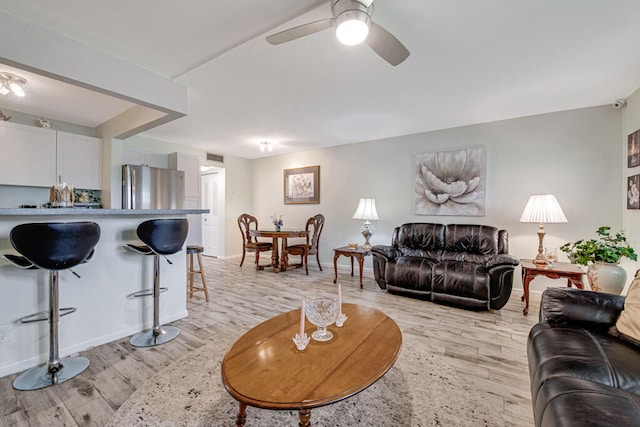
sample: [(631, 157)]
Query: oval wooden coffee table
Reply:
[(264, 369)]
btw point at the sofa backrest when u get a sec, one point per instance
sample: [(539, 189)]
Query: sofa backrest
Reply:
[(472, 243), (463, 242), (419, 239)]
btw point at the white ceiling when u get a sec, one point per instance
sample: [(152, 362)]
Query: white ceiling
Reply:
[(471, 61)]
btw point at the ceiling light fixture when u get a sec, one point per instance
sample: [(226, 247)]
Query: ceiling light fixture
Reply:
[(352, 23), (11, 83), (266, 145)]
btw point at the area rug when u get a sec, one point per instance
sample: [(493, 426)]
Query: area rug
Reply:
[(419, 390)]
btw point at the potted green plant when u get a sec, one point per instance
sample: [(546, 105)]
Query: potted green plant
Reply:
[(602, 255)]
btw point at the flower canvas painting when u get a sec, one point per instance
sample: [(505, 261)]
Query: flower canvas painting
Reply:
[(451, 182)]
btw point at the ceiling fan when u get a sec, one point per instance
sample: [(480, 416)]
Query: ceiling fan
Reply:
[(352, 20)]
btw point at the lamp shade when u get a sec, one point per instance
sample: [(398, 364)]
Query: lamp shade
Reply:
[(543, 208), (366, 210)]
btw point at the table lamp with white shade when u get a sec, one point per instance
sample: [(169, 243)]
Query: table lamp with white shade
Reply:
[(541, 209), (367, 211)]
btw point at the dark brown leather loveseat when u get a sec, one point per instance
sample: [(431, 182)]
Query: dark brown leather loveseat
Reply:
[(458, 264), (581, 375)]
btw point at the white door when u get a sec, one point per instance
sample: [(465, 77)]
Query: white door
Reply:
[(210, 221)]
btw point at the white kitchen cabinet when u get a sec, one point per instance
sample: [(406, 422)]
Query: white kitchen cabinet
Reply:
[(145, 158), (79, 160), (28, 155)]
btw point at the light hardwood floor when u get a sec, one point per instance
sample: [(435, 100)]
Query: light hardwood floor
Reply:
[(487, 348)]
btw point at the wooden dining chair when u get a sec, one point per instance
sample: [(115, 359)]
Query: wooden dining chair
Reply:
[(246, 223), (314, 228)]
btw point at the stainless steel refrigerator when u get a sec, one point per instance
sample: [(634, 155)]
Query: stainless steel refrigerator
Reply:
[(144, 187)]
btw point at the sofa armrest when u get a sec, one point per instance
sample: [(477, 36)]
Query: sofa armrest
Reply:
[(387, 252), (381, 255), (501, 259), (575, 307)]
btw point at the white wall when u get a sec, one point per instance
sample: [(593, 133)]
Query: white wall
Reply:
[(238, 200), (631, 218), (574, 154)]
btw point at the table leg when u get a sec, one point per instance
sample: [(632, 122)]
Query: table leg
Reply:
[(305, 417), (274, 254), (577, 282), (335, 266), (351, 258), (522, 274), (283, 255), (242, 415), (361, 262), (525, 284)]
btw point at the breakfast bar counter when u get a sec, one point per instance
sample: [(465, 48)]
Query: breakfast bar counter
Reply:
[(105, 309), (62, 212)]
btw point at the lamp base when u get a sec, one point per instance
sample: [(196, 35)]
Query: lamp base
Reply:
[(367, 231), (540, 259), (540, 262)]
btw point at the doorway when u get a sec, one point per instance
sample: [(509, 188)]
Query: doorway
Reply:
[(212, 182)]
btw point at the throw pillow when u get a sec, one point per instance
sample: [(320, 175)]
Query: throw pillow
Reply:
[(627, 326)]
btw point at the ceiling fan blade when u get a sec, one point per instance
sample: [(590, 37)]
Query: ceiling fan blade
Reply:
[(386, 45), (300, 31)]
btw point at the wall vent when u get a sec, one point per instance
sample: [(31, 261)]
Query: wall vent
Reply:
[(215, 157)]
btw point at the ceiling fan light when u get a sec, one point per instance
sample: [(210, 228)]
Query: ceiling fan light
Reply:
[(266, 146), (4, 90), (16, 89), (352, 27)]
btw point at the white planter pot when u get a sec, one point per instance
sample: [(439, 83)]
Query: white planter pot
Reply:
[(605, 277)]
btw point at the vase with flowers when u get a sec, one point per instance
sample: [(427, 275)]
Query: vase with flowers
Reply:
[(277, 221), (602, 255)]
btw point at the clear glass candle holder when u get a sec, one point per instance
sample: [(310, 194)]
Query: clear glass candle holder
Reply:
[(322, 312)]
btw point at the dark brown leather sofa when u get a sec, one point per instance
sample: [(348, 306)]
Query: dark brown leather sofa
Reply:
[(581, 375), (458, 264)]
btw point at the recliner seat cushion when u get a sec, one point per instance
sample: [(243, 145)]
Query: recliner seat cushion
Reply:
[(414, 273), (581, 353), (568, 401), (461, 279)]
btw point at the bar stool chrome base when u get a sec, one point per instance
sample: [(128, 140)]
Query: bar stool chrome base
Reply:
[(152, 337), (40, 377)]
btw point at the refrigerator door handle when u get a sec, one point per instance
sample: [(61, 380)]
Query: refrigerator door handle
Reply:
[(132, 187)]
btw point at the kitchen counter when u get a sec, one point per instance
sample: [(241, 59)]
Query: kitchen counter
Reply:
[(96, 212), (105, 312)]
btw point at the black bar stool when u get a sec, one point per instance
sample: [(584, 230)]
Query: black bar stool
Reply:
[(160, 237), (53, 247)]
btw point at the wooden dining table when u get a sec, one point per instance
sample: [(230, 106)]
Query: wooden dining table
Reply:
[(277, 263)]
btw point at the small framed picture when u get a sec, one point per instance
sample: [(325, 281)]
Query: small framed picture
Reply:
[(633, 149), (302, 185), (633, 192)]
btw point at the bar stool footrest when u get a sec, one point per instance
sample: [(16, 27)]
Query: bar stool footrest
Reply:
[(44, 315), (138, 249), (19, 261), (146, 293)]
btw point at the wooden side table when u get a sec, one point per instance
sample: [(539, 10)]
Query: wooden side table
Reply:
[(357, 253), (558, 270)]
